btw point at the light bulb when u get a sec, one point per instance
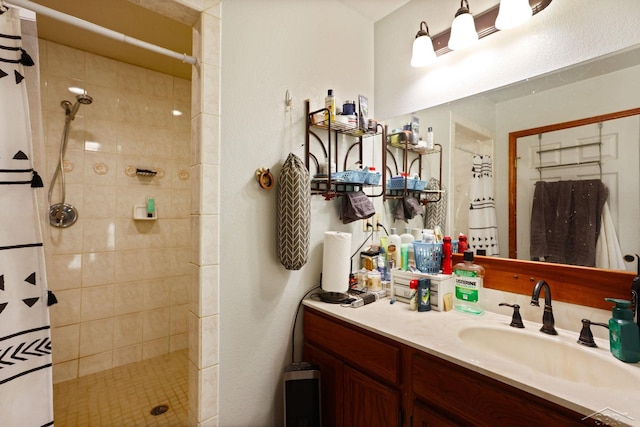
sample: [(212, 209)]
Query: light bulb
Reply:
[(513, 13), (463, 31), (422, 53)]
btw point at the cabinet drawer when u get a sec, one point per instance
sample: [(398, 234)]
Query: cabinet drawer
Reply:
[(481, 400), (374, 355)]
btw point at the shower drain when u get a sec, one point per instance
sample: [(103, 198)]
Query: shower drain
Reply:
[(159, 410)]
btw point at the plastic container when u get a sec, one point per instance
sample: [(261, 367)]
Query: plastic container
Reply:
[(151, 206), (447, 261), (408, 239), (372, 177), (429, 138), (374, 281), (468, 285), (424, 294), (428, 256), (351, 177), (624, 335), (404, 256), (394, 245), (330, 104), (462, 243), (413, 295)]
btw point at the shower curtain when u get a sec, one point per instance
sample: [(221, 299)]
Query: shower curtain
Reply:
[(26, 390), (483, 228)]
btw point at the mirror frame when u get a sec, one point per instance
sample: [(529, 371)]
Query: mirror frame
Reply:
[(580, 285)]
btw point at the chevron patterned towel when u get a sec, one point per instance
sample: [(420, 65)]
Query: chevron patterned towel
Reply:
[(294, 213), (26, 388)]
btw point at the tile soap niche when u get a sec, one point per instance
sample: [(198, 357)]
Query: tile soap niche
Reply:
[(148, 212)]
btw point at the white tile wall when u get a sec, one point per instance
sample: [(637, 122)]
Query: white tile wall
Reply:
[(122, 285)]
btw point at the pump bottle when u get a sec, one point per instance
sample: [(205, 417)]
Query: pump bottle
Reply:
[(624, 335)]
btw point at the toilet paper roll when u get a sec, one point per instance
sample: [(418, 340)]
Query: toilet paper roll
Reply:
[(336, 261)]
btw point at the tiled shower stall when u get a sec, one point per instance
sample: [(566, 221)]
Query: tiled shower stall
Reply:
[(122, 284)]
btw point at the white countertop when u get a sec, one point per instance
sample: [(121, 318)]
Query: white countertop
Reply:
[(436, 333)]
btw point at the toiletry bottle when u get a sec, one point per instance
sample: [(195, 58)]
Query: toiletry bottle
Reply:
[(462, 243), (382, 266), (330, 104), (424, 294), (404, 256), (151, 206), (429, 138), (447, 261), (407, 238), (428, 236), (468, 285), (624, 335), (394, 243), (413, 294)]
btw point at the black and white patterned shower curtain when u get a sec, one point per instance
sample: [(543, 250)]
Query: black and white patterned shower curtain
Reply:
[(26, 391), (483, 227)]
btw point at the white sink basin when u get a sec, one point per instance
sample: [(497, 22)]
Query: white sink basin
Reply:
[(558, 356)]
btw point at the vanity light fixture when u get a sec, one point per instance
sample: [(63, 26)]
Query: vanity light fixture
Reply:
[(463, 28), (486, 23), (422, 52), (513, 13)]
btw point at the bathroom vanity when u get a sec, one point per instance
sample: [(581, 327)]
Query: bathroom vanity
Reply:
[(383, 365)]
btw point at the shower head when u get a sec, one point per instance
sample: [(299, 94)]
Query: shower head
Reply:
[(84, 99), (71, 110)]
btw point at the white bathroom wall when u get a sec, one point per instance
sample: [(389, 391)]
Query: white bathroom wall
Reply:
[(566, 32), (305, 47)]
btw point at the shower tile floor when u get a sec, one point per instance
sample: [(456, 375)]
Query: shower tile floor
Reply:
[(124, 396)]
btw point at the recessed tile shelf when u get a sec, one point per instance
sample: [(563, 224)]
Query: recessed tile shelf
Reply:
[(140, 213)]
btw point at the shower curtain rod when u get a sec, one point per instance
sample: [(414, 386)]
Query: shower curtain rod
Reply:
[(86, 25)]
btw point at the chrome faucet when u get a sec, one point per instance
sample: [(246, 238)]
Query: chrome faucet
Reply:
[(547, 317)]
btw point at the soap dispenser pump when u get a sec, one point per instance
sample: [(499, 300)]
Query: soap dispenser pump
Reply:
[(624, 335)]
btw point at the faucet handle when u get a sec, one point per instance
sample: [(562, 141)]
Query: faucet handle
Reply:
[(586, 337), (516, 319)]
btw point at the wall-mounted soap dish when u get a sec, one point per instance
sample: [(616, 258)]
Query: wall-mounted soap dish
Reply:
[(145, 172), (140, 213)]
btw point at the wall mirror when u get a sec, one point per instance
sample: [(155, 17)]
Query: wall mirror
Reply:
[(482, 123), (597, 87)]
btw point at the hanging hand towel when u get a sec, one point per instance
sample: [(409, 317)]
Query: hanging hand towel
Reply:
[(294, 213), (356, 205)]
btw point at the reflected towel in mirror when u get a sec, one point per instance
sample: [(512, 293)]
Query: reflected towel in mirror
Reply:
[(565, 221)]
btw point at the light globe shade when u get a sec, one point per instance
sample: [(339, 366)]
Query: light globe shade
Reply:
[(422, 53), (513, 13), (463, 32)]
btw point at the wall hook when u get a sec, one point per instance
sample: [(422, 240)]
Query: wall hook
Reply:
[(265, 178), (287, 100)]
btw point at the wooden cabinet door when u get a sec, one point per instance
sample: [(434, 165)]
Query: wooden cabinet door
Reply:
[(331, 384), (424, 417), (368, 403)]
